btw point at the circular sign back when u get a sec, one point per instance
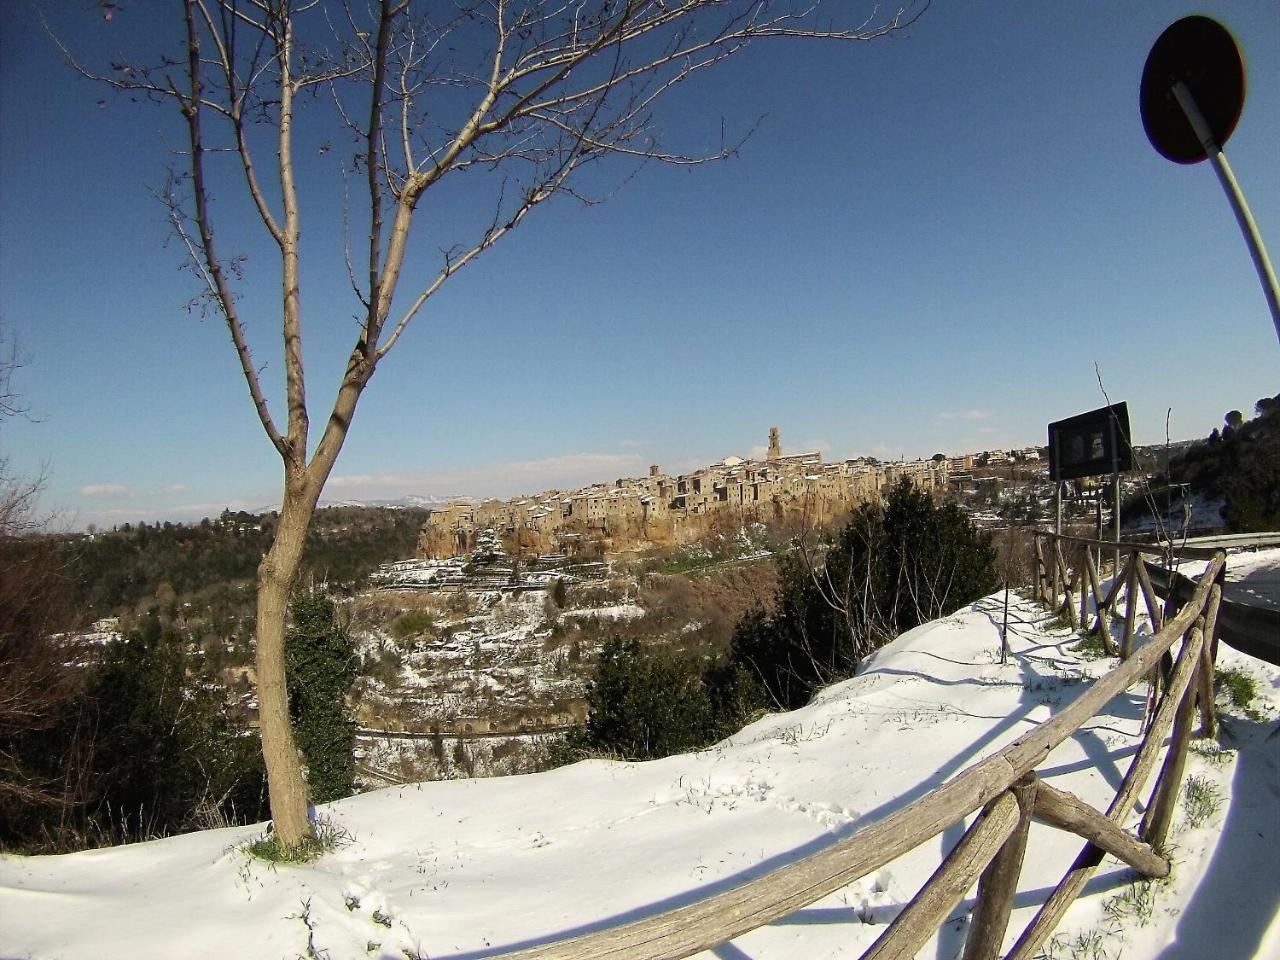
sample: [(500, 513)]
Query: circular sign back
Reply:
[(1203, 55)]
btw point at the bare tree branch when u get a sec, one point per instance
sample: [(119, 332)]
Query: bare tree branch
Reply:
[(212, 265)]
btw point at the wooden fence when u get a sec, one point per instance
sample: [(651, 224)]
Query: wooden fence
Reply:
[(1067, 576), (1004, 787)]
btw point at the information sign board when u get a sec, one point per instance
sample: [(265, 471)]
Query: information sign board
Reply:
[(1090, 444)]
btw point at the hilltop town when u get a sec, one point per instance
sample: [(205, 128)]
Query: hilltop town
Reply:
[(661, 509)]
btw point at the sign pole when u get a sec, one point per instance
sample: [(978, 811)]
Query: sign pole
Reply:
[(1235, 196), (1057, 500)]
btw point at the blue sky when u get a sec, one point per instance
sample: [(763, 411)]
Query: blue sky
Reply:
[(926, 246)]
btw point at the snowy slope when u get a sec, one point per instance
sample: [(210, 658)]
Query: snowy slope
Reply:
[(460, 869)]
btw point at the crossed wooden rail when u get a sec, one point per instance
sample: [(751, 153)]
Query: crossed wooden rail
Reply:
[(1006, 790)]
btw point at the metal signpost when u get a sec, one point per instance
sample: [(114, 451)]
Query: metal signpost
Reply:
[(1191, 96)]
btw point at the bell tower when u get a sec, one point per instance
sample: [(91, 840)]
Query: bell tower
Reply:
[(775, 444)]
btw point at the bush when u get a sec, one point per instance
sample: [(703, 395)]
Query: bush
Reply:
[(411, 623), (321, 667), (644, 704), (890, 569), (155, 747), (384, 666), (38, 679)]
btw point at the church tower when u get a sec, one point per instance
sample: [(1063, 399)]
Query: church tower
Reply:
[(775, 444)]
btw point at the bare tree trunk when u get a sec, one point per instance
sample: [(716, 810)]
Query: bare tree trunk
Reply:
[(276, 576)]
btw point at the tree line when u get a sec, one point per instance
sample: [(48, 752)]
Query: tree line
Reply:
[(111, 572)]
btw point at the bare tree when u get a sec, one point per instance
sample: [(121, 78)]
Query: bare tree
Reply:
[(35, 681), (529, 91)]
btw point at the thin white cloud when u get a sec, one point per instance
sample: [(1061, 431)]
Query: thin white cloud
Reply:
[(104, 491), (502, 479), (635, 443), (175, 488), (971, 414)]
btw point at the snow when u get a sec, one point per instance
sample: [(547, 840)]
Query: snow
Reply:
[(461, 869), (1255, 578), (616, 611)]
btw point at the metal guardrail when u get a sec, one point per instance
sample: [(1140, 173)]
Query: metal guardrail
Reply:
[(1246, 627), (1233, 541)]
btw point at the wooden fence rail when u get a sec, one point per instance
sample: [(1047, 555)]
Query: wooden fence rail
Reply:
[(1004, 787)]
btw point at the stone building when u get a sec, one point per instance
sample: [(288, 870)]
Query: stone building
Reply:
[(663, 509)]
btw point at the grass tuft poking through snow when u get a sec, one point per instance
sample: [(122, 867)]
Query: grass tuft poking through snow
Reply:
[(1201, 799), (329, 836), (1091, 647), (1240, 688)]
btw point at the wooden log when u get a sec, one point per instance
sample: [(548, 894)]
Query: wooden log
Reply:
[(1154, 610), (1098, 603), (1084, 595), (999, 881), (1130, 605), (1208, 710), (1066, 811), (1068, 601), (719, 917), (1159, 814), (1113, 594), (920, 919), (1043, 579), (1068, 586), (1064, 894)]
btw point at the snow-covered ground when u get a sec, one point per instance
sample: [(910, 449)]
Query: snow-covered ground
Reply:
[(462, 869), (1254, 577)]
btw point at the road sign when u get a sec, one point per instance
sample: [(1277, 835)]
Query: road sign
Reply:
[(1191, 96), (1090, 444), (1202, 55)]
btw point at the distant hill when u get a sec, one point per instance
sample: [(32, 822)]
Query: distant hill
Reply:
[(415, 501), (1237, 467), (112, 571)]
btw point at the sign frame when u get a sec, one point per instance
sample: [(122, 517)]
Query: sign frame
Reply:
[(1091, 444)]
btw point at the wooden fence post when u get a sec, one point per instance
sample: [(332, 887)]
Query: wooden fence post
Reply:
[(1154, 609), (1208, 710), (920, 919), (1155, 822), (1099, 604), (999, 881), (1043, 580), (1084, 586), (1130, 604)]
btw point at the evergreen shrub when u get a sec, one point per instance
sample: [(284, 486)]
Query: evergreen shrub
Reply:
[(321, 667)]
